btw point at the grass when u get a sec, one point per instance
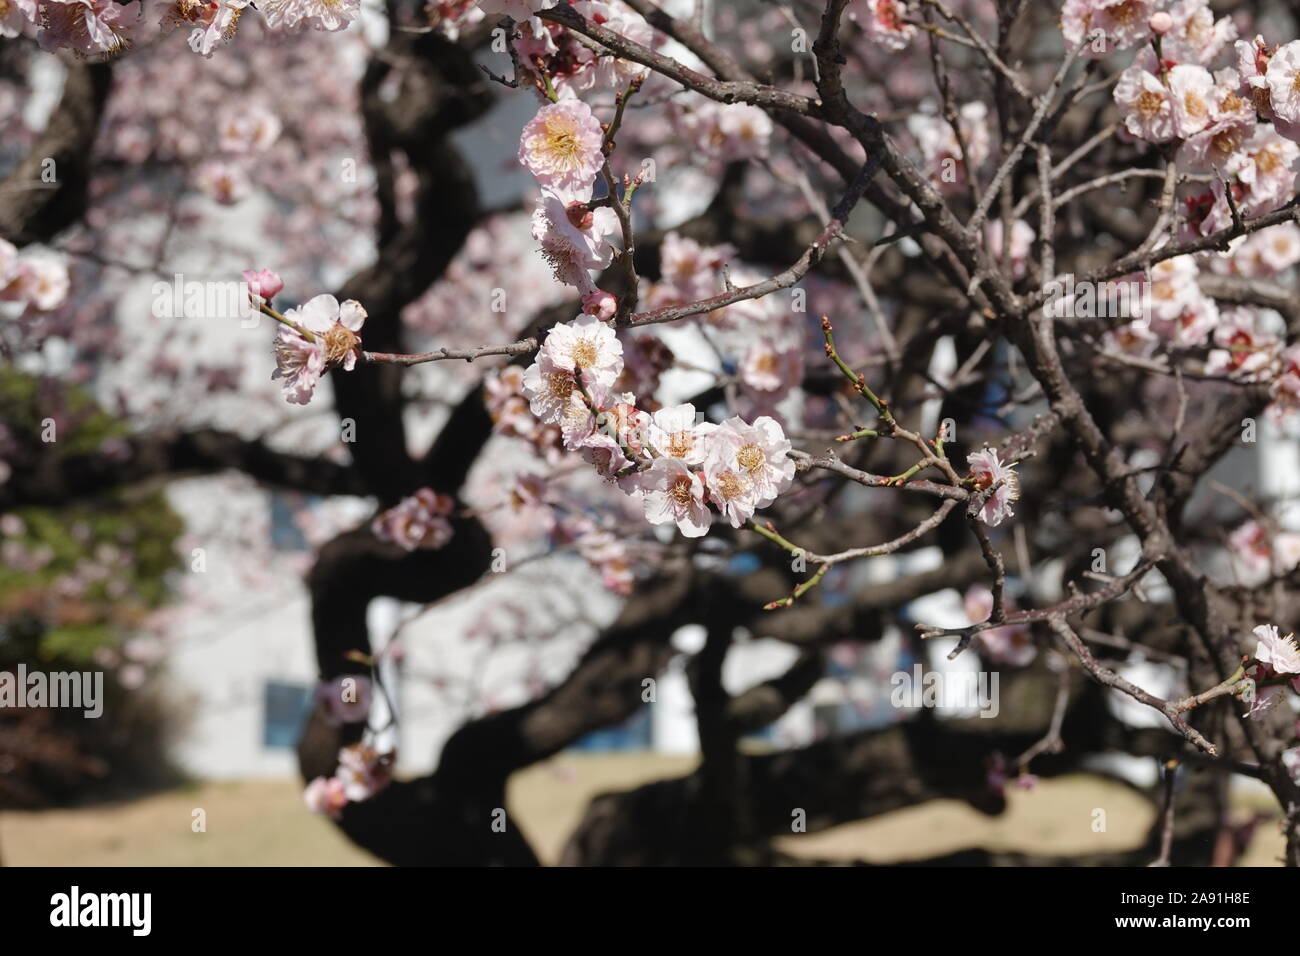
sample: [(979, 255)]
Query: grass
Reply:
[(264, 823)]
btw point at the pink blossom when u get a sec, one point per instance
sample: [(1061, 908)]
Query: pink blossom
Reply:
[(574, 238), (1160, 23), (249, 128), (40, 281), (15, 15), (419, 521), (213, 21), (325, 795), (561, 147), (883, 21), (1280, 653), (222, 181), (610, 557), (300, 363), (1192, 92), (765, 368), (363, 771), (731, 132), (673, 433), (1121, 23), (757, 452), (516, 9), (585, 343), (1022, 239), (945, 161), (988, 471), (601, 304), (318, 14), (87, 26), (1194, 35), (263, 284), (1245, 347), (672, 492), (1283, 78), (1146, 105)]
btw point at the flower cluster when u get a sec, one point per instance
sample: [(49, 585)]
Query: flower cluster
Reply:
[(39, 282), (362, 772), (107, 27), (419, 521), (678, 467), (333, 342), (1277, 662)]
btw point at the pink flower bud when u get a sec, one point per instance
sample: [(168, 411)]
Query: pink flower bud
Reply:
[(601, 304), (1160, 23), (264, 283), (579, 215)]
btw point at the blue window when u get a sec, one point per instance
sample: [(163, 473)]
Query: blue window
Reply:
[(284, 708)]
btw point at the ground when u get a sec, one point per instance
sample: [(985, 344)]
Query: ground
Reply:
[(264, 823)]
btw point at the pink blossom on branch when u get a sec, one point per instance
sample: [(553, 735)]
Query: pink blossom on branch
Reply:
[(988, 471), (561, 147), (417, 522)]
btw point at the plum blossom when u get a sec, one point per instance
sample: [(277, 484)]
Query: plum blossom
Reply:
[(766, 368), (213, 21), (987, 471), (334, 343), (319, 14), (419, 521), (1279, 653), (40, 281), (608, 555), (688, 270), (222, 181), (1193, 34), (263, 284), (1022, 239), (1122, 23), (1245, 348), (944, 160), (516, 9), (1192, 92), (363, 771), (1258, 553), (731, 490), (1146, 105), (326, 796), (585, 343), (1283, 79), (609, 72), (883, 21), (87, 26), (573, 238), (249, 128), (15, 15), (728, 132), (1285, 389), (757, 453), (601, 304), (561, 147), (673, 433), (672, 492)]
